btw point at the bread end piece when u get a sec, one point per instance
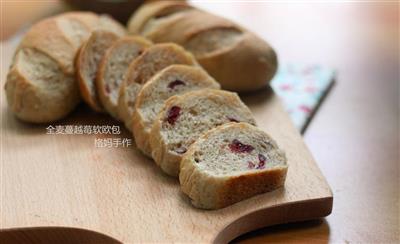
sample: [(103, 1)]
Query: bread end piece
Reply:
[(37, 90)]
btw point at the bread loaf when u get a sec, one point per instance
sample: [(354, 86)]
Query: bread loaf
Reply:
[(234, 56), (230, 163), (185, 117), (143, 68), (41, 85), (87, 63), (113, 67), (173, 80)]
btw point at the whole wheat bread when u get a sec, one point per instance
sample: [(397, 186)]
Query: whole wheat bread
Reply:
[(87, 64), (143, 68), (41, 85), (113, 67), (230, 163), (185, 117), (173, 80)]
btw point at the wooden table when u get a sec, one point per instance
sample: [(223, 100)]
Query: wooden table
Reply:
[(354, 135)]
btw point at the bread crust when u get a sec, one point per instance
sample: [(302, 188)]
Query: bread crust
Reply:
[(56, 38), (29, 100), (47, 37), (209, 191), (83, 61), (138, 74), (169, 161), (109, 105), (141, 127), (149, 10), (246, 65)]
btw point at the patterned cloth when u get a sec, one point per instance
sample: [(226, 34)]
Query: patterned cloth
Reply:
[(302, 88)]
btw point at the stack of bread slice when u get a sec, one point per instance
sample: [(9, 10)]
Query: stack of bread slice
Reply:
[(176, 111), (179, 117)]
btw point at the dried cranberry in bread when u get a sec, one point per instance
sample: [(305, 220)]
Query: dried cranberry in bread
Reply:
[(113, 67), (234, 56), (185, 117), (154, 59), (87, 64), (230, 163), (173, 80)]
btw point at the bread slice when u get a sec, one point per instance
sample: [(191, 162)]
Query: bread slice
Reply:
[(230, 163), (185, 117), (154, 59), (37, 89), (87, 63), (173, 80), (113, 67)]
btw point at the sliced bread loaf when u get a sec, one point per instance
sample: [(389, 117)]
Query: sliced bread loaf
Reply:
[(87, 63), (113, 67), (154, 59), (173, 80), (230, 163), (41, 85), (185, 117)]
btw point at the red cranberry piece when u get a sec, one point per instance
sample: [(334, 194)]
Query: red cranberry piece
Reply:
[(250, 165), (173, 114), (262, 159), (108, 89), (174, 83), (238, 147), (233, 119), (181, 150)]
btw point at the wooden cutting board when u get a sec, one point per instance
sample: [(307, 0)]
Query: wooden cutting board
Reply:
[(50, 181)]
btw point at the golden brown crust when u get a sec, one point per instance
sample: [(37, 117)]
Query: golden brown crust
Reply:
[(150, 10), (249, 54), (181, 28), (141, 137), (31, 102), (241, 187), (47, 37)]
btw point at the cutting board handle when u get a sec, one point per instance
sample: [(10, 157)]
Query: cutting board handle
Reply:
[(280, 214), (59, 235)]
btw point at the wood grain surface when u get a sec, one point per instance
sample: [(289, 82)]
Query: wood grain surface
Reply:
[(65, 180), (354, 136)]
